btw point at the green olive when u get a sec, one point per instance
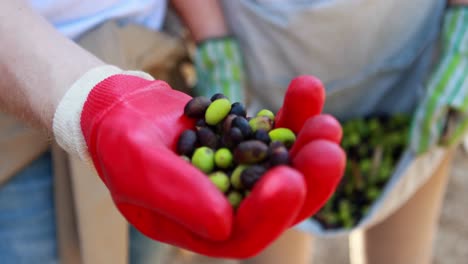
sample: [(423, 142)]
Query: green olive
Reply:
[(203, 159), (223, 158), (217, 111), (236, 176), (221, 180), (283, 135), (372, 193), (267, 113), (234, 198), (260, 123)]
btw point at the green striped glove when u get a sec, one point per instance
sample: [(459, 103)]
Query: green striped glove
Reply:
[(218, 63), (442, 116)]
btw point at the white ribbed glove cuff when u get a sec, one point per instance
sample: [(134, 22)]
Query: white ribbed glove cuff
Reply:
[(66, 124)]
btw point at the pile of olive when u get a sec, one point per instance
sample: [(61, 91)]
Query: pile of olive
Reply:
[(373, 147), (232, 149)]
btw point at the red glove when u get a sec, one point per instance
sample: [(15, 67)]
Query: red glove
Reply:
[(131, 125), (128, 124)]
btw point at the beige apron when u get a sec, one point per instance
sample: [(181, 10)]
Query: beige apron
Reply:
[(90, 229)]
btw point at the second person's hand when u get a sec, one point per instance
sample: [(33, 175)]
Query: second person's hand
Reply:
[(219, 68)]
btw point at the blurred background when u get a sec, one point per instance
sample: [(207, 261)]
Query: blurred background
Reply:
[(374, 145)]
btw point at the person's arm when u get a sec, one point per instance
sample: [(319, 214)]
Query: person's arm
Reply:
[(37, 64), (204, 18)]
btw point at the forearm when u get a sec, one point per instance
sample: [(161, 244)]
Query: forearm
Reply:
[(204, 18), (37, 64)]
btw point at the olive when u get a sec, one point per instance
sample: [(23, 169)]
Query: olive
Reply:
[(234, 198), (186, 142), (220, 180), (250, 152), (279, 156), (217, 111), (276, 144), (223, 158), (283, 135), (217, 96), (251, 175), (267, 113), (203, 159), (227, 123), (236, 176), (262, 135), (196, 107), (232, 138), (260, 122), (206, 137), (372, 193), (243, 125), (238, 109), (201, 123)]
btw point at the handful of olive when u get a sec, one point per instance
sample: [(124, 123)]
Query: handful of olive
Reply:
[(373, 147), (232, 149)]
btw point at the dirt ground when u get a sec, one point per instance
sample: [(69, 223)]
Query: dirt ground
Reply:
[(450, 245), (452, 238)]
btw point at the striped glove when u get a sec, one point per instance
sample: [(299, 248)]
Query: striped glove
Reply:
[(218, 63), (442, 116)]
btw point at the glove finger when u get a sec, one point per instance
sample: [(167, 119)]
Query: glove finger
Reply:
[(304, 98), (261, 218), (322, 126), (139, 169), (271, 208), (322, 163)]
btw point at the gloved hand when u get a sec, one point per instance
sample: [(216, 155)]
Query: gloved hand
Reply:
[(442, 116), (219, 68), (129, 126), (284, 196)]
